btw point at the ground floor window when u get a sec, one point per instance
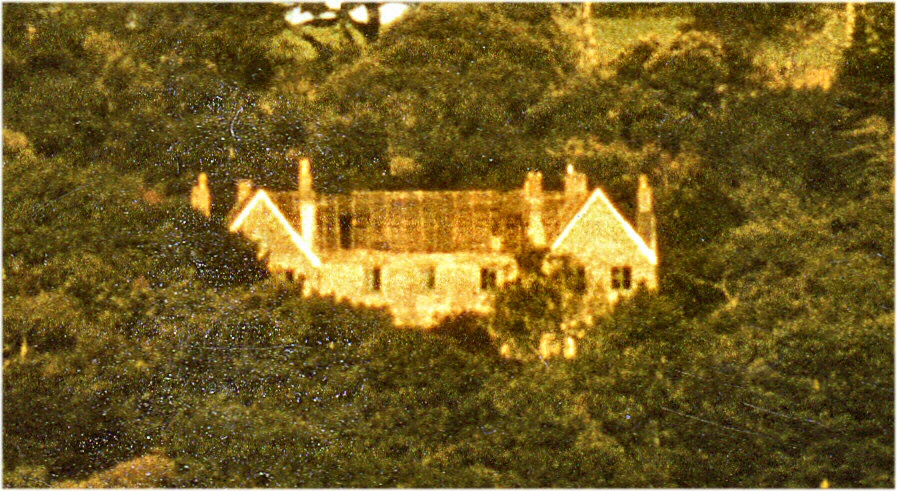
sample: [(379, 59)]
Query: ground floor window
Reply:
[(297, 278), (375, 279), (430, 278), (488, 279), (621, 278), (345, 231)]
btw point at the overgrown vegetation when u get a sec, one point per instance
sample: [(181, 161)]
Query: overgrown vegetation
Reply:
[(144, 345)]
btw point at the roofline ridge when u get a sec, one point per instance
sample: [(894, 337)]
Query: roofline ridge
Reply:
[(262, 196), (598, 193)]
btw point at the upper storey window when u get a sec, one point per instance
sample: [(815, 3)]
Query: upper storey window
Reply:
[(375, 279), (580, 283), (621, 278)]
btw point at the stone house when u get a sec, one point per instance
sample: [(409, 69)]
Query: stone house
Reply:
[(429, 255)]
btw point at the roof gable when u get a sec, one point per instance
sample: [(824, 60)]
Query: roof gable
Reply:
[(598, 223), (263, 204)]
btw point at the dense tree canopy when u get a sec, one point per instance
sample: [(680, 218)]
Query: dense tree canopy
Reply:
[(141, 335), (448, 90)]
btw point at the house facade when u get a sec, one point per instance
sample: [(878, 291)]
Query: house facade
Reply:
[(429, 255)]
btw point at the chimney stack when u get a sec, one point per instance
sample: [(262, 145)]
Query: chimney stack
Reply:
[(645, 222), (200, 196), (307, 205), (532, 187), (244, 189), (305, 179), (532, 193), (575, 183)]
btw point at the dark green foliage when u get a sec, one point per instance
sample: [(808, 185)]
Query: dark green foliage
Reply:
[(134, 326), (468, 331), (745, 25), (872, 54), (467, 111), (867, 71), (160, 90), (219, 257), (539, 302)]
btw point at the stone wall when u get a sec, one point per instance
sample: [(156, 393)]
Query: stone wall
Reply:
[(419, 289), (616, 261)]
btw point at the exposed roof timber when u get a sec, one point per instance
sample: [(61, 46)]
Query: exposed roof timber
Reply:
[(596, 195), (262, 197)]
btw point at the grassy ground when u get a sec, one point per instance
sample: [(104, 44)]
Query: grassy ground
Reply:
[(615, 35), (813, 62)]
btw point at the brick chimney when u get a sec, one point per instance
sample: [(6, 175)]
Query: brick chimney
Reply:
[(244, 190), (200, 196), (645, 223), (305, 179), (576, 184), (307, 206), (532, 193)]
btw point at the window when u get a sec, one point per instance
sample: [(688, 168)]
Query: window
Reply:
[(361, 238), (430, 277), (579, 280), (298, 279), (515, 230), (487, 279), (375, 279), (345, 231), (621, 278)]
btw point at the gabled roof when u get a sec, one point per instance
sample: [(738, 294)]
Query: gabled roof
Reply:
[(431, 221), (421, 218), (598, 216), (262, 199)]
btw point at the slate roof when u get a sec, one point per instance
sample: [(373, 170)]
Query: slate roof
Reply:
[(431, 221)]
